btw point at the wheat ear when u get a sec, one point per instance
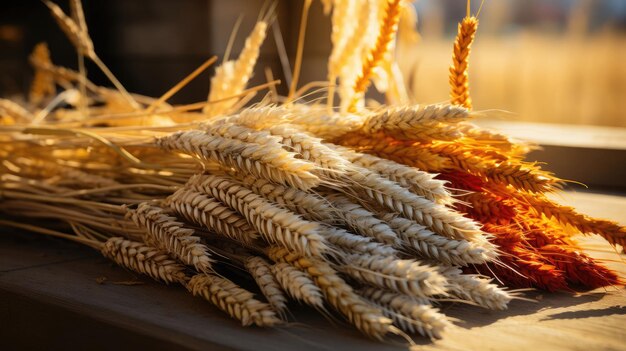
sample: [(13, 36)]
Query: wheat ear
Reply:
[(404, 276), (210, 213), (310, 206), (394, 197), (353, 243), (363, 221), (42, 85), (609, 230), (427, 244), (386, 35), (144, 259), (79, 38), (275, 224), (476, 289), (261, 271), (459, 77), (298, 284), (338, 293), (234, 300), (264, 161), (413, 315), (166, 233), (418, 182)]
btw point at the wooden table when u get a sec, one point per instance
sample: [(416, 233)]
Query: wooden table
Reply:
[(52, 297)]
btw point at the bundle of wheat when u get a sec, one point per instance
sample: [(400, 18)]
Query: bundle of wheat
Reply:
[(322, 207)]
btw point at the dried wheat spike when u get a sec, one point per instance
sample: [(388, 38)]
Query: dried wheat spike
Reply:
[(459, 77), (404, 276), (356, 243), (275, 224), (144, 259), (231, 130), (476, 289), (232, 77), (261, 271), (311, 149), (416, 122), (338, 293), (341, 29), (418, 182), (427, 244), (264, 161), (15, 111), (311, 206), (395, 198), (363, 221), (411, 314), (42, 85), (210, 213), (79, 38), (298, 284), (386, 35), (500, 141), (609, 230), (234, 300), (322, 124), (166, 233)]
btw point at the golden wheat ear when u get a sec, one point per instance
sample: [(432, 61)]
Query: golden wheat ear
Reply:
[(459, 76)]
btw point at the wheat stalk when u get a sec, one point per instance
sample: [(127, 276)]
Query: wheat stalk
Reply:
[(404, 276), (164, 232), (275, 224), (261, 271), (298, 284), (144, 259), (234, 300), (14, 110), (210, 213), (265, 161), (414, 315)]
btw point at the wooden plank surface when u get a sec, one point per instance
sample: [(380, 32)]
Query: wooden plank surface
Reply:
[(50, 295)]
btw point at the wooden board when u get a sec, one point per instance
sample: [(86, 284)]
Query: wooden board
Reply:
[(51, 298)]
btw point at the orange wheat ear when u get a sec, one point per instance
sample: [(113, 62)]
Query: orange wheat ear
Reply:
[(459, 78), (386, 35)]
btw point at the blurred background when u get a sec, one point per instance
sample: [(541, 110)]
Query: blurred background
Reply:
[(557, 61)]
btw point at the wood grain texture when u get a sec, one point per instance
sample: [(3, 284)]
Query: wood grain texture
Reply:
[(56, 277)]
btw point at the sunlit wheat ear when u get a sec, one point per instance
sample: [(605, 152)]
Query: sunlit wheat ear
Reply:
[(418, 182), (338, 293), (476, 289), (231, 79), (79, 38), (413, 315), (356, 243), (275, 224), (388, 28), (261, 271), (239, 303), (394, 197), (298, 284), (611, 231), (424, 242), (311, 206), (322, 124), (144, 259), (243, 133), (212, 214), (403, 276), (166, 233), (15, 111), (312, 149), (264, 161), (42, 85), (495, 139), (459, 77), (363, 221)]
